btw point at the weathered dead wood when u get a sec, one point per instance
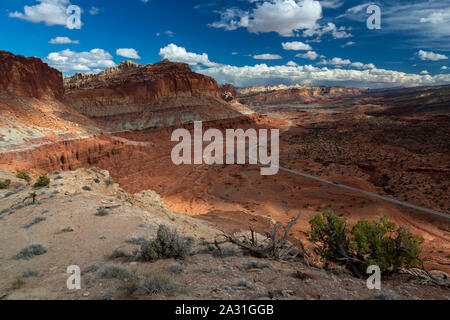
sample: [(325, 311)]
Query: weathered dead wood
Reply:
[(272, 247)]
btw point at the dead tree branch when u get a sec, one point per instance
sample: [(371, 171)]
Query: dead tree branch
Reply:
[(272, 247)]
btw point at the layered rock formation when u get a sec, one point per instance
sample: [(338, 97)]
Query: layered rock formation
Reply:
[(32, 111), (301, 94), (29, 77), (133, 96)]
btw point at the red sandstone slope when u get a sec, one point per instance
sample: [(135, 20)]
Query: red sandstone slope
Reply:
[(133, 96), (301, 94), (32, 111)]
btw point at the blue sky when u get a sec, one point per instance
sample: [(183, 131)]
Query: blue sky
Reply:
[(245, 42)]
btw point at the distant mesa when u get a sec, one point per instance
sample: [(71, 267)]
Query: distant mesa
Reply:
[(298, 94)]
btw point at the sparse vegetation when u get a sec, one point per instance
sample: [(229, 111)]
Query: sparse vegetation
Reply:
[(167, 244), (116, 271), (43, 181), (109, 293), (30, 273), (155, 284), (379, 243), (66, 229), (91, 268), (117, 254), (136, 240), (231, 251), (244, 283), (17, 284), (101, 212), (176, 269), (5, 183), (23, 175), (35, 221), (31, 251), (86, 188), (257, 265)]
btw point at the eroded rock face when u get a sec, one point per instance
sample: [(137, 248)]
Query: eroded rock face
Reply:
[(29, 77), (293, 94), (228, 92), (133, 96), (32, 108)]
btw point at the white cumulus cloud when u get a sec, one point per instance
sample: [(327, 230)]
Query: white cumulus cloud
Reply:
[(346, 62), (68, 60), (331, 4), (284, 17), (296, 45), (329, 28), (63, 40), (51, 12), (267, 56), (310, 55), (175, 53), (128, 53), (429, 55), (262, 74), (355, 74), (349, 43)]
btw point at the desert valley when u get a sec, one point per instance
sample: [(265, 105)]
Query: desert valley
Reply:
[(104, 141)]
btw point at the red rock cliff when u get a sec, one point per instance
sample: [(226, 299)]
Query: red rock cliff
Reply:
[(29, 77), (134, 96)]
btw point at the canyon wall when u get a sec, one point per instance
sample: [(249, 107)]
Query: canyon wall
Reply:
[(29, 77), (32, 108)]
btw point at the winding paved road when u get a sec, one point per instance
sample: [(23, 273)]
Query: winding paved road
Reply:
[(342, 186)]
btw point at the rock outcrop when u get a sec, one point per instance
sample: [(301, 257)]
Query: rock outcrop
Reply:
[(32, 109), (133, 96), (29, 77), (282, 94), (228, 92)]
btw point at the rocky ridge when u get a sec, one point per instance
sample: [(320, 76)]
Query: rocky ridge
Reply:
[(298, 94), (133, 96), (32, 108)]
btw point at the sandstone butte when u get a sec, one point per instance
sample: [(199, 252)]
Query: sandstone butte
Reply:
[(133, 96)]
